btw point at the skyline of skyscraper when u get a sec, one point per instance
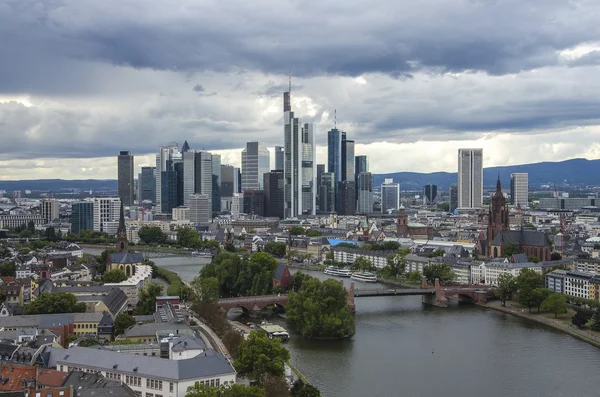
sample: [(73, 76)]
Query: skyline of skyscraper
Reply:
[(279, 158), (519, 189), (334, 153), (390, 195), (125, 176), (470, 178), (256, 160), (364, 189)]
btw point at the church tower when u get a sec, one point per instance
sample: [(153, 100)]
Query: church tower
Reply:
[(498, 216), (122, 243), (402, 225)]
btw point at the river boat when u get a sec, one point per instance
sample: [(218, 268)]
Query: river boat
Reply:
[(275, 331), (336, 271), (202, 254), (366, 277)]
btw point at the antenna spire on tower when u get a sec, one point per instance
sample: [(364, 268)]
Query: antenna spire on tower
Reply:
[(335, 118), (290, 80)]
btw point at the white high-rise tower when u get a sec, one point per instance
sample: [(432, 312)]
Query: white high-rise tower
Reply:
[(470, 178)]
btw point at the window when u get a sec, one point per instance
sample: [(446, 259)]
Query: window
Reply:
[(171, 387), (149, 395), (212, 382)]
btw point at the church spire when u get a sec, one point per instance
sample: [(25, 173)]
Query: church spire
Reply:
[(121, 220), (498, 185), (122, 243)]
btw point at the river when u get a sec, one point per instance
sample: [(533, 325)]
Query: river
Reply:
[(402, 348)]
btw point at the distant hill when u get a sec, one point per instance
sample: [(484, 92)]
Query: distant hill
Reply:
[(572, 172)]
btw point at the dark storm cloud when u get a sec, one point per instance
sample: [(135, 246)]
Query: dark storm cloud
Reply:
[(198, 88)]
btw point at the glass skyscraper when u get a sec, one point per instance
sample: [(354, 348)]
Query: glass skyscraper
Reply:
[(256, 160), (82, 216)]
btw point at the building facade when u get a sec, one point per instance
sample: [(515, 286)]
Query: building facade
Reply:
[(279, 158), (228, 181), (82, 216), (327, 192), (347, 159), (273, 183), (453, 198), (346, 195), (519, 189), (125, 178), (147, 184), (256, 160), (429, 194), (216, 183), (166, 153), (200, 210), (390, 195), (364, 189), (470, 178), (334, 153), (106, 214), (50, 209)]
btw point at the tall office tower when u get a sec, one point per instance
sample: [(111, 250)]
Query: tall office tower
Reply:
[(364, 188), (320, 171), (361, 164), (237, 180), (197, 175), (273, 183), (216, 183), (470, 178), (82, 216), (390, 195), (300, 165), (256, 160), (50, 209), (166, 153), (237, 204), (279, 158), (327, 192), (429, 194), (228, 181), (453, 197), (125, 177), (200, 211), (169, 179), (346, 197), (106, 214), (348, 160), (254, 202), (147, 184), (185, 147), (189, 175), (519, 189), (334, 153)]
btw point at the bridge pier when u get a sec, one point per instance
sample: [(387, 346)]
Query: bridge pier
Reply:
[(438, 299)]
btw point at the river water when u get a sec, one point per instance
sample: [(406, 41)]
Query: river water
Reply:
[(402, 348)]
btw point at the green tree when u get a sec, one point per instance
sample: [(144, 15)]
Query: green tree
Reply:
[(320, 309), (444, 207), (187, 237), (555, 303), (510, 249), (440, 271), (555, 256), (147, 299), (595, 320), (396, 264), (8, 269), (60, 302), (199, 390), (297, 280), (314, 233), (25, 233), (51, 234), (597, 246), (114, 276), (232, 341), (414, 276), (102, 259), (122, 322), (538, 296), (529, 279), (301, 389), (88, 342), (507, 286), (31, 227), (276, 386), (533, 259), (151, 235), (261, 356), (205, 290), (579, 319), (276, 248), (297, 231), (364, 264), (436, 253)]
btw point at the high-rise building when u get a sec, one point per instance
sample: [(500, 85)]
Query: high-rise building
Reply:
[(365, 192), (334, 153), (361, 164), (200, 211), (147, 184), (237, 204), (453, 197), (106, 214), (519, 189), (169, 179), (327, 192), (197, 175), (166, 153), (348, 160), (216, 183), (390, 195), (279, 158), (254, 202), (82, 216), (470, 178), (256, 160), (346, 197), (273, 183), (300, 165), (50, 209), (228, 181), (320, 171), (125, 177), (237, 188), (429, 194)]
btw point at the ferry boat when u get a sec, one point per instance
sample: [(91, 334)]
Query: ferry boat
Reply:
[(366, 277), (275, 331), (202, 254), (336, 271)]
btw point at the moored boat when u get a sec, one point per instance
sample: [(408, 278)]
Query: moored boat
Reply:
[(336, 271), (366, 277)]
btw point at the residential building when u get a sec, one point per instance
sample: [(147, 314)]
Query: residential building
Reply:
[(82, 216), (488, 273), (50, 209), (18, 218), (279, 158), (346, 196), (570, 283), (390, 195), (327, 192), (254, 202), (349, 255), (453, 198), (470, 178), (200, 211), (429, 194), (147, 184), (555, 280), (125, 178), (334, 153), (167, 153), (519, 189), (273, 183), (364, 188), (106, 214), (256, 160), (216, 183)]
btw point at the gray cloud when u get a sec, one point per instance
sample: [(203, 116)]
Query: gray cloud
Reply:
[(198, 88)]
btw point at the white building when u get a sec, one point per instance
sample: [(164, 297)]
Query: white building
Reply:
[(237, 204), (50, 209), (256, 161), (149, 376), (390, 195), (577, 284), (132, 286), (197, 174), (349, 255), (470, 178), (519, 189), (181, 214), (488, 273), (16, 219), (200, 210), (106, 214)]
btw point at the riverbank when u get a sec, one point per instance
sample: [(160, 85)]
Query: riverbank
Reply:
[(556, 324), (146, 248)]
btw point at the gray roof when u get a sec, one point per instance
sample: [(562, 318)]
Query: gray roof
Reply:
[(114, 300), (87, 317), (126, 257), (207, 364), (87, 384), (531, 238), (184, 343), (150, 329)]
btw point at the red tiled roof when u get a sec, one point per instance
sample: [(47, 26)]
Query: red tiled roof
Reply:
[(15, 373), (7, 279), (51, 377)]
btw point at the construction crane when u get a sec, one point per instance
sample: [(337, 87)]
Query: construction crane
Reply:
[(563, 223)]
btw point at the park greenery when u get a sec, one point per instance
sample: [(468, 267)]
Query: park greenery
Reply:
[(176, 285), (595, 321), (319, 310), (314, 233), (260, 356), (87, 342), (8, 269), (276, 248), (297, 231), (396, 264), (152, 235), (441, 271), (114, 276), (60, 302), (147, 299), (122, 322)]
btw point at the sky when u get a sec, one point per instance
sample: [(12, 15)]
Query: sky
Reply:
[(410, 82)]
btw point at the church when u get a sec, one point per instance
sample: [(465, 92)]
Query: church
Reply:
[(123, 259), (532, 243)]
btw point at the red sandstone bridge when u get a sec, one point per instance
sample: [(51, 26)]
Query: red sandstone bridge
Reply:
[(437, 295)]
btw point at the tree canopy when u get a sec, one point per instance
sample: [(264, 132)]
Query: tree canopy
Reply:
[(364, 264), (297, 231), (440, 271), (261, 356), (114, 276), (301, 389), (152, 235), (60, 302), (147, 299), (199, 390), (314, 233), (529, 285), (320, 309), (88, 342), (8, 269), (396, 264), (555, 303), (510, 249), (205, 290), (276, 248), (507, 286), (122, 322)]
